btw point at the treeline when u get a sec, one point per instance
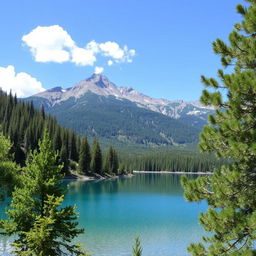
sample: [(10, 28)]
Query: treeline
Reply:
[(174, 161), (123, 120), (92, 161), (23, 124)]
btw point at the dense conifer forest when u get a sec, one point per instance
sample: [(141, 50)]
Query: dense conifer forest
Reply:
[(174, 161), (23, 124), (119, 120)]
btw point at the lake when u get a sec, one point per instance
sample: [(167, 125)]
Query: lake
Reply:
[(113, 212)]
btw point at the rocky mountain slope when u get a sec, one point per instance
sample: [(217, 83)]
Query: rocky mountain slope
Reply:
[(98, 107)]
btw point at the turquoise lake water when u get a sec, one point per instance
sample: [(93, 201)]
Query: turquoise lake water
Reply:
[(151, 206)]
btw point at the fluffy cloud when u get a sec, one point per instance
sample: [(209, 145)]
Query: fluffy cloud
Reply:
[(98, 70), (93, 46), (20, 83), (113, 50), (51, 43), (54, 44), (83, 57)]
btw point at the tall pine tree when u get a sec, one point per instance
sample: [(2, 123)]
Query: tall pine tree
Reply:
[(231, 190), (137, 249), (35, 216), (111, 161), (8, 169), (84, 156), (96, 163)]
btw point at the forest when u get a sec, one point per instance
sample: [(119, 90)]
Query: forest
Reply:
[(174, 161), (23, 124)]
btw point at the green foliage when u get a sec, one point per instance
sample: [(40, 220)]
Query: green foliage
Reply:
[(174, 161), (73, 150), (137, 249), (108, 117), (35, 216), (8, 169), (24, 126), (64, 159), (230, 191), (84, 156), (111, 164), (96, 162)]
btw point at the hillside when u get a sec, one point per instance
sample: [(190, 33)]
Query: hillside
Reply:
[(97, 107)]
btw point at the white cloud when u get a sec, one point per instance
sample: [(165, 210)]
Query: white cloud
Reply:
[(20, 83), (51, 43), (112, 49), (93, 46), (98, 70), (54, 44), (83, 57), (110, 62)]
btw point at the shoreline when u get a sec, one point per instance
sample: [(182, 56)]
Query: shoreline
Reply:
[(161, 172), (75, 176)]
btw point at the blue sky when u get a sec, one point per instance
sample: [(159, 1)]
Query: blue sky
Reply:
[(168, 43)]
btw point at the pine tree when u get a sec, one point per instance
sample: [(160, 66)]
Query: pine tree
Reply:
[(111, 161), (106, 163), (137, 249), (96, 163), (42, 111), (24, 125), (63, 158), (73, 147), (84, 156), (57, 142), (64, 153), (230, 191), (35, 216), (115, 162), (8, 169)]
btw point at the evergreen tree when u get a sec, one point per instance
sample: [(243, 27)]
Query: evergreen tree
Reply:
[(84, 156), (137, 249), (111, 161), (107, 161), (24, 125), (230, 191), (42, 111), (115, 162), (8, 169), (96, 163), (63, 158), (57, 142), (73, 147), (41, 226), (64, 152), (122, 169)]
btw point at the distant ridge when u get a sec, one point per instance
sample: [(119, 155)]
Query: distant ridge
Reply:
[(101, 85), (98, 107)]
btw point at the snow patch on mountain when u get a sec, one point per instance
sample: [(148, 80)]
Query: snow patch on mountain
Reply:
[(101, 85)]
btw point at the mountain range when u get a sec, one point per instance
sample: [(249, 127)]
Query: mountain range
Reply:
[(97, 107)]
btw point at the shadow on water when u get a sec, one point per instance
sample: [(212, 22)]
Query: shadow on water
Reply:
[(141, 183)]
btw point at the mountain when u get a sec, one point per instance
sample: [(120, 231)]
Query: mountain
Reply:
[(98, 107)]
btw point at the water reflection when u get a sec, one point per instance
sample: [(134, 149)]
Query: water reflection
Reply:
[(140, 183), (115, 211)]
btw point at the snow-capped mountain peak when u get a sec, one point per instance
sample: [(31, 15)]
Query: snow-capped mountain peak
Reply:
[(101, 85)]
